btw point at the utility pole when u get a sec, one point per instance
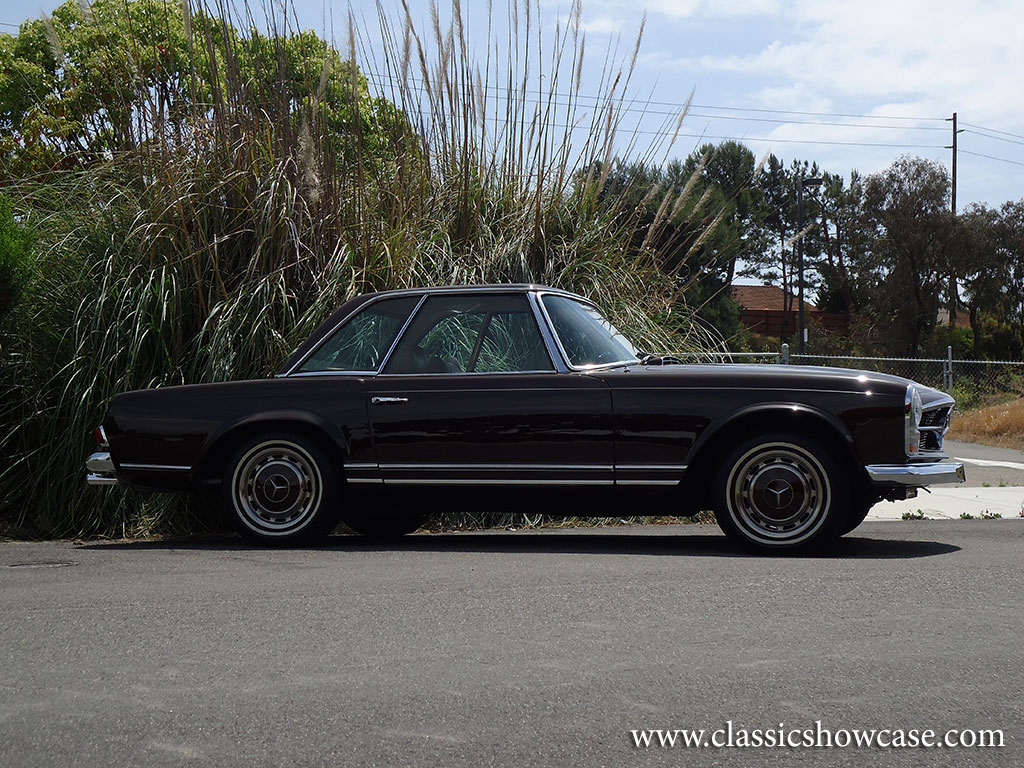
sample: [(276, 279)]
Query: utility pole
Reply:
[(801, 182), (954, 294), (953, 147)]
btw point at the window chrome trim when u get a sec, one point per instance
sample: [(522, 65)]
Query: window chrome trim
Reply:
[(466, 373), (401, 332), (495, 290), (305, 374), (547, 333), (531, 290)]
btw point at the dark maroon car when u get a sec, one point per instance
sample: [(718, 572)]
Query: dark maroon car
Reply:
[(509, 395)]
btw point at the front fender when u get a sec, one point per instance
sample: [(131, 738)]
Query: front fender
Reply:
[(779, 413)]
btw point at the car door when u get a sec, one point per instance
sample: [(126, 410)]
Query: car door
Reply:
[(470, 396)]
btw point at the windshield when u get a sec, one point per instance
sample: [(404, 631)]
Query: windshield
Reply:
[(586, 336)]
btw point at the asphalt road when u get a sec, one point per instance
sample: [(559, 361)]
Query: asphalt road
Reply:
[(541, 649), (988, 465)]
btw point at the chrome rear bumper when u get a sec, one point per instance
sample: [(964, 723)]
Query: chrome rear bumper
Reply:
[(917, 475), (100, 469)]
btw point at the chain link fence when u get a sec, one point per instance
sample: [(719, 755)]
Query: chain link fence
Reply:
[(971, 382)]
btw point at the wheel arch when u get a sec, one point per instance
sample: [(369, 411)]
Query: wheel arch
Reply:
[(715, 442), (220, 444)]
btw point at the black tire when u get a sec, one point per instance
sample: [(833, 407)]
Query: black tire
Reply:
[(281, 488), (781, 492), (383, 524), (858, 513)]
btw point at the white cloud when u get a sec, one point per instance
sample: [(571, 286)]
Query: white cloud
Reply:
[(601, 25), (682, 9), (944, 55)]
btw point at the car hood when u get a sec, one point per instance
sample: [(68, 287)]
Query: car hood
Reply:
[(757, 376)]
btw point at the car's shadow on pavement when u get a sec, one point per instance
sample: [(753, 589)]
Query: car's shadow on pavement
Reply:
[(581, 542)]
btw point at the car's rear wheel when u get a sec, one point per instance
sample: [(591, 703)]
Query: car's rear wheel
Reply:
[(781, 491), (281, 489)]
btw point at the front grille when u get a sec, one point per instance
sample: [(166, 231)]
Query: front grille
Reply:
[(937, 417), (934, 424)]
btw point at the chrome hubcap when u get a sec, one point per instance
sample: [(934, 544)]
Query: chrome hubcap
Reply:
[(778, 493), (277, 487)]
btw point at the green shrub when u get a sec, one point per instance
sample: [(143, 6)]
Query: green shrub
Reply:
[(16, 257), (206, 238)]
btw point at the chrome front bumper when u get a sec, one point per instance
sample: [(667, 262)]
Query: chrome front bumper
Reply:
[(917, 475), (100, 469)]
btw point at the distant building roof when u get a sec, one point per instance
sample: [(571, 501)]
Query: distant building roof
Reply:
[(765, 297)]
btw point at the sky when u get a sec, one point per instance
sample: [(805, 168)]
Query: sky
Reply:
[(850, 85)]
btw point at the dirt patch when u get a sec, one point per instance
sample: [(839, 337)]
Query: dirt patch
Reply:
[(1000, 425)]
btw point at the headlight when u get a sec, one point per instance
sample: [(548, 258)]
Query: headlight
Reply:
[(912, 416)]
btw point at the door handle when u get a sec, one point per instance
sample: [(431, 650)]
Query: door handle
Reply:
[(388, 400)]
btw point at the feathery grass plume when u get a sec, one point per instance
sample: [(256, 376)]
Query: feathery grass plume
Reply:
[(227, 180)]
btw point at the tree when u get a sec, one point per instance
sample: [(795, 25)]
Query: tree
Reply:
[(841, 245), (1009, 242), (681, 215), (774, 227), (976, 257), (94, 80), (907, 210)]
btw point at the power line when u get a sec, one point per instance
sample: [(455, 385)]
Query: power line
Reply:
[(990, 157), (703, 115), (681, 105), (993, 130), (995, 138), (814, 114), (5, 24), (819, 142), (802, 141), (811, 122), (647, 132)]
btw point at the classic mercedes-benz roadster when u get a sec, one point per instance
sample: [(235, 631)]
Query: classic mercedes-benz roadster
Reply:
[(502, 396)]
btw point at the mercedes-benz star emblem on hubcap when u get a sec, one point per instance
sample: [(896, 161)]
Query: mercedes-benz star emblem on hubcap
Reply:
[(276, 487), (779, 493)]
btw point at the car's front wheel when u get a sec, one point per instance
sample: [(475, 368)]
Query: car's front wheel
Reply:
[(280, 488), (859, 509), (781, 491)]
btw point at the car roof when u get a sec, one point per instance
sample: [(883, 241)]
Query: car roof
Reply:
[(484, 288), (354, 304)]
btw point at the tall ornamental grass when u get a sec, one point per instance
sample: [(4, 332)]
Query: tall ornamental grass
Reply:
[(241, 178)]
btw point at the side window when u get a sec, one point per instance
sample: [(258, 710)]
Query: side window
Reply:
[(452, 341), (361, 343), (490, 333), (513, 343)]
